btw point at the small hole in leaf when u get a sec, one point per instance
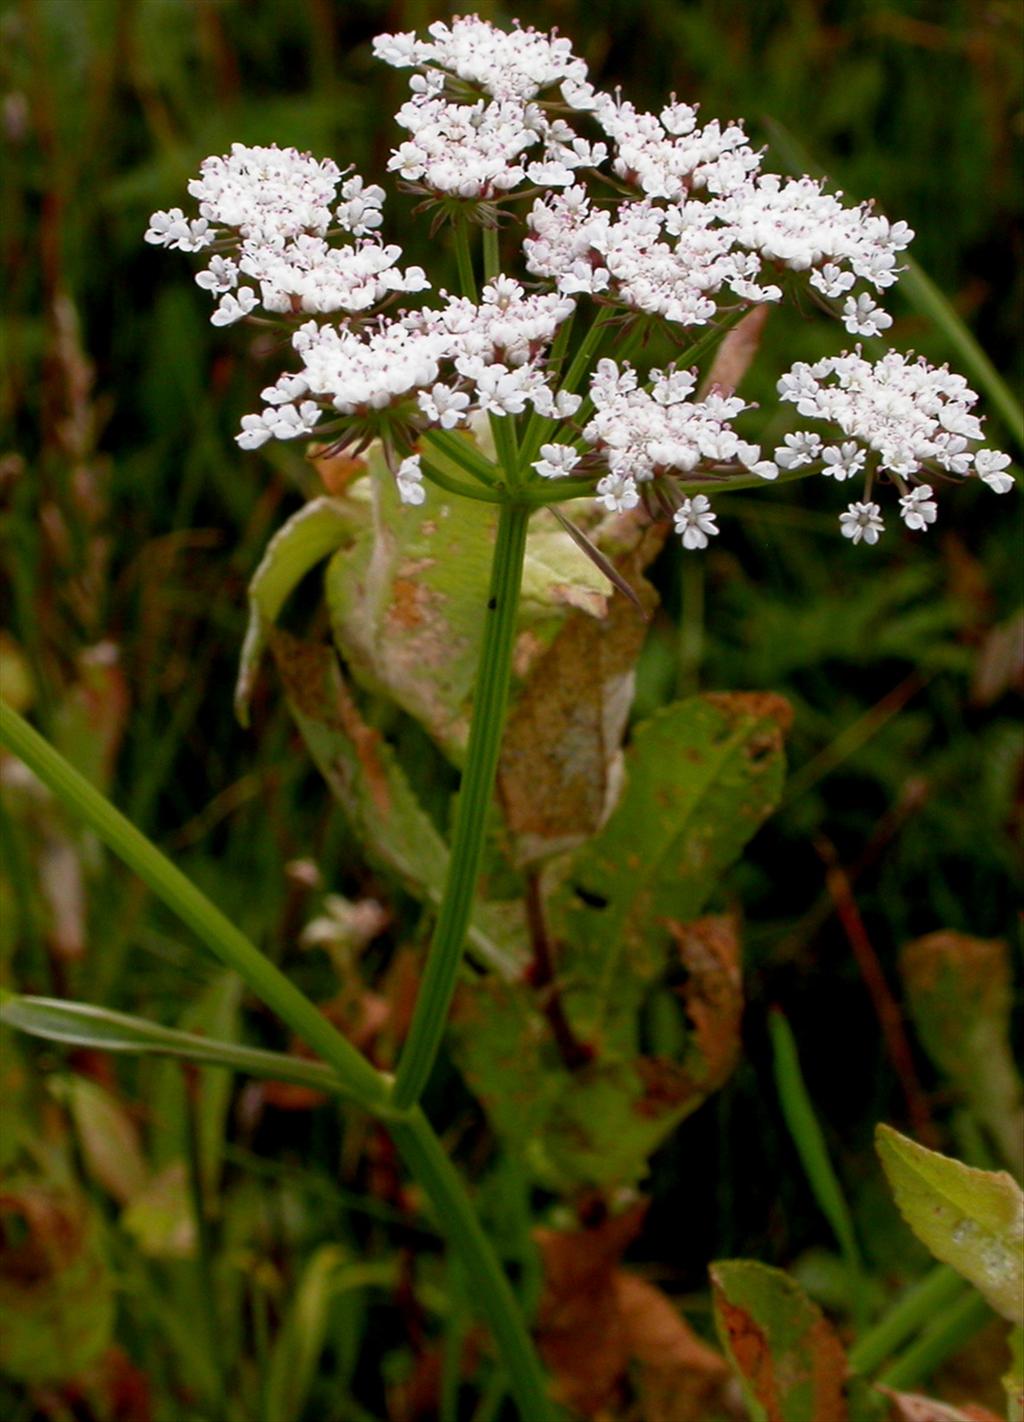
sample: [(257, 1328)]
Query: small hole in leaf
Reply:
[(592, 900)]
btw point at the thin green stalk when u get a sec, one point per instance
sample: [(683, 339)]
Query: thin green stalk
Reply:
[(427, 1161), (192, 906), (579, 367), (204, 1255), (490, 701), (556, 355), (802, 1122), (951, 1331), (492, 254), (464, 454), (916, 1307), (443, 480), (464, 259)]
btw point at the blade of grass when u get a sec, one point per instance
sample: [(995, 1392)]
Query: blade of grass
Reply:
[(911, 1312), (802, 1122)]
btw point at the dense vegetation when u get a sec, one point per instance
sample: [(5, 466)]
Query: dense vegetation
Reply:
[(241, 1248)]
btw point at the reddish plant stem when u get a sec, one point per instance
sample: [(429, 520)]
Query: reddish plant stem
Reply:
[(887, 1009), (541, 975)]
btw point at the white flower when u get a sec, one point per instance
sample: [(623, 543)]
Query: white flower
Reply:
[(409, 479), (267, 194), (832, 280), (694, 521), (503, 63), (989, 465), (800, 448), (293, 421), (862, 521), (360, 209), (173, 229), (842, 461), (557, 460), (749, 456), (862, 317), (918, 509), (256, 429), (233, 308), (443, 405), (220, 276), (617, 493), (906, 410)]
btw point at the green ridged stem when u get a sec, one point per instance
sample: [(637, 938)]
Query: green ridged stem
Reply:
[(488, 719)]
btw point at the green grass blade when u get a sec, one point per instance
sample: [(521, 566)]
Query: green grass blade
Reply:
[(79, 1024), (798, 1112)]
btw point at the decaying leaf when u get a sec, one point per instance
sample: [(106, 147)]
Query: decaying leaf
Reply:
[(971, 1219), (789, 1359), (308, 537), (604, 1332), (738, 349), (595, 1123), (366, 779), (56, 1294), (912, 1407), (561, 759), (960, 994)]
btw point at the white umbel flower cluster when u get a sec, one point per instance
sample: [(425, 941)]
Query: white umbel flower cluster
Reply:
[(645, 432), (627, 219), (273, 208), (901, 416)]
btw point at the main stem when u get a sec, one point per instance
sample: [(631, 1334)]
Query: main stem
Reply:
[(428, 1163), (489, 705), (353, 1075)]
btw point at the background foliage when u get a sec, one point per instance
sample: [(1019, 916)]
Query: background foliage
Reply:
[(132, 525)]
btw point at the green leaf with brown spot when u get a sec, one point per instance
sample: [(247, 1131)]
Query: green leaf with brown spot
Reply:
[(594, 1124), (789, 1360), (971, 1219), (700, 777), (960, 993)]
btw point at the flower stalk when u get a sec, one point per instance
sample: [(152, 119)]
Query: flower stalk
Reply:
[(490, 703)]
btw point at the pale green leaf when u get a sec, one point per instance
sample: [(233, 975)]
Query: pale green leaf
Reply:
[(308, 537), (79, 1024), (971, 1219)]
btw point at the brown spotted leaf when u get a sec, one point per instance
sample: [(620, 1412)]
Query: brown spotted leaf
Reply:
[(561, 759), (701, 776), (960, 993), (596, 1124), (407, 596), (790, 1361)]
